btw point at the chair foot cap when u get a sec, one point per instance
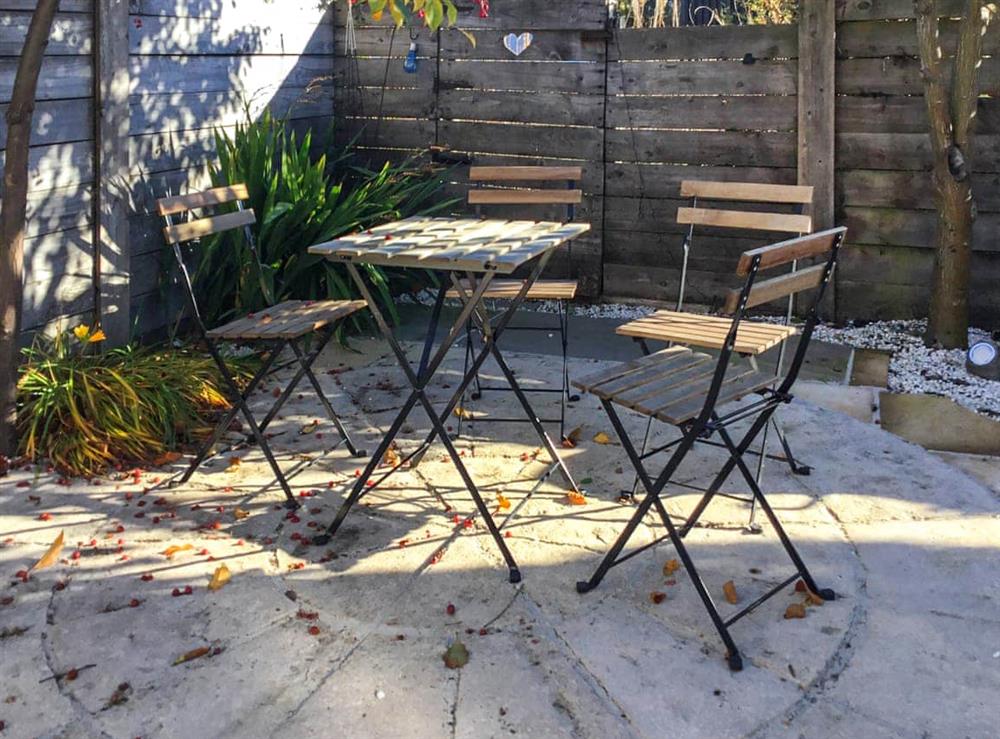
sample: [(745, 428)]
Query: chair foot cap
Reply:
[(754, 528), (515, 575), (321, 540), (359, 454), (476, 396), (735, 662), (573, 399), (292, 505), (802, 469), (583, 586), (827, 594)]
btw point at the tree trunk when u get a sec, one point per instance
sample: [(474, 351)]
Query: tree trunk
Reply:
[(951, 107), (12, 213)]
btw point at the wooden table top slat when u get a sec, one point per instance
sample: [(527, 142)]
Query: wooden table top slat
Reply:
[(472, 244)]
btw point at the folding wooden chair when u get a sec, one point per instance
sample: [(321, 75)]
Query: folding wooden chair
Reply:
[(692, 329), (275, 328), (686, 389), (559, 291)]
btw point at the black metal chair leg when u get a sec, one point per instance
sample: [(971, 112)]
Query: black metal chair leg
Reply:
[(733, 657), (533, 418), (797, 467), (800, 566), (226, 421), (307, 363)]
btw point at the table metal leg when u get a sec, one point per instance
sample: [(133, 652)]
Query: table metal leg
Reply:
[(490, 339), (419, 381)]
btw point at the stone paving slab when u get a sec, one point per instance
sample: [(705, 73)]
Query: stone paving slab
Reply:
[(347, 639)]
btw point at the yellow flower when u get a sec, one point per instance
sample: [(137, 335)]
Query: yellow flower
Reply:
[(98, 335), (81, 332)]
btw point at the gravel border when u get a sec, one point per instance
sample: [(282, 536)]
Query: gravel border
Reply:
[(913, 367)]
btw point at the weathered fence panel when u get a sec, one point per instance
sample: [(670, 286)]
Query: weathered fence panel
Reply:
[(58, 256), (545, 106), (884, 190), (691, 103)]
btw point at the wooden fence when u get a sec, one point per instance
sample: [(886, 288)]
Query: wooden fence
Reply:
[(168, 74), (643, 109), (638, 109)]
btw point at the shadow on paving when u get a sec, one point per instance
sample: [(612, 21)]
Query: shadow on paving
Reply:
[(348, 638)]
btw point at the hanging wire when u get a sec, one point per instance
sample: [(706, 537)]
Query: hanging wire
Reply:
[(385, 83)]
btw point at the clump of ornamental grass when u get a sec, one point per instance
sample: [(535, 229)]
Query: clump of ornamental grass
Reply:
[(86, 410)]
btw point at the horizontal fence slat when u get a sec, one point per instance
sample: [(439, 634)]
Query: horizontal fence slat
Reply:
[(524, 76), (849, 10), (515, 107), (284, 33), (776, 113), (705, 42), (717, 148), (72, 34), (60, 77), (524, 140), (703, 78)]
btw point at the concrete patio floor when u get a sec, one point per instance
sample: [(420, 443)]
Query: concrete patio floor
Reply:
[(347, 639)]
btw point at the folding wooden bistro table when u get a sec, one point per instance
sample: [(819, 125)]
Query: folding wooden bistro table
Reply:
[(467, 253)]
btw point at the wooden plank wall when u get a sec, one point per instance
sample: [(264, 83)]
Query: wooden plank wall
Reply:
[(193, 64), (543, 107), (58, 254), (713, 103), (883, 184)]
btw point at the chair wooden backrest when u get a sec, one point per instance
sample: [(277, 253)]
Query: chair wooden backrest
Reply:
[(195, 227), (775, 255), (755, 293), (798, 196), (570, 195)]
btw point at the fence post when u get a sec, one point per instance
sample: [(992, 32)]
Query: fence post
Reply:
[(817, 52), (111, 131)]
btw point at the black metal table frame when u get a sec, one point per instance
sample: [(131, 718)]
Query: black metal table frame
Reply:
[(420, 378)]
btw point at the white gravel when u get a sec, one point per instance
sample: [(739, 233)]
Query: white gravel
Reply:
[(914, 368)]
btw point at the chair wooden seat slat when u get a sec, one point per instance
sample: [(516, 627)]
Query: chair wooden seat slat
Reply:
[(288, 320), (706, 331), (541, 290), (670, 385)]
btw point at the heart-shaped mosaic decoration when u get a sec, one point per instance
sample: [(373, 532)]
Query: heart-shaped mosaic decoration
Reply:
[(517, 45)]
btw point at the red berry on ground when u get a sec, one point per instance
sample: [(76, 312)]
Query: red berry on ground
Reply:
[(450, 609)]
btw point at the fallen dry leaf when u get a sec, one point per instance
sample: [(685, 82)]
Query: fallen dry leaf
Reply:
[(729, 590), (234, 464), (575, 498), (670, 567), (309, 428), (166, 458), (602, 438), (795, 610), (170, 551), (456, 655), (193, 654), (463, 413), (812, 599), (239, 514), (49, 558), (221, 576), (390, 458), (657, 596), (571, 439), (503, 503)]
